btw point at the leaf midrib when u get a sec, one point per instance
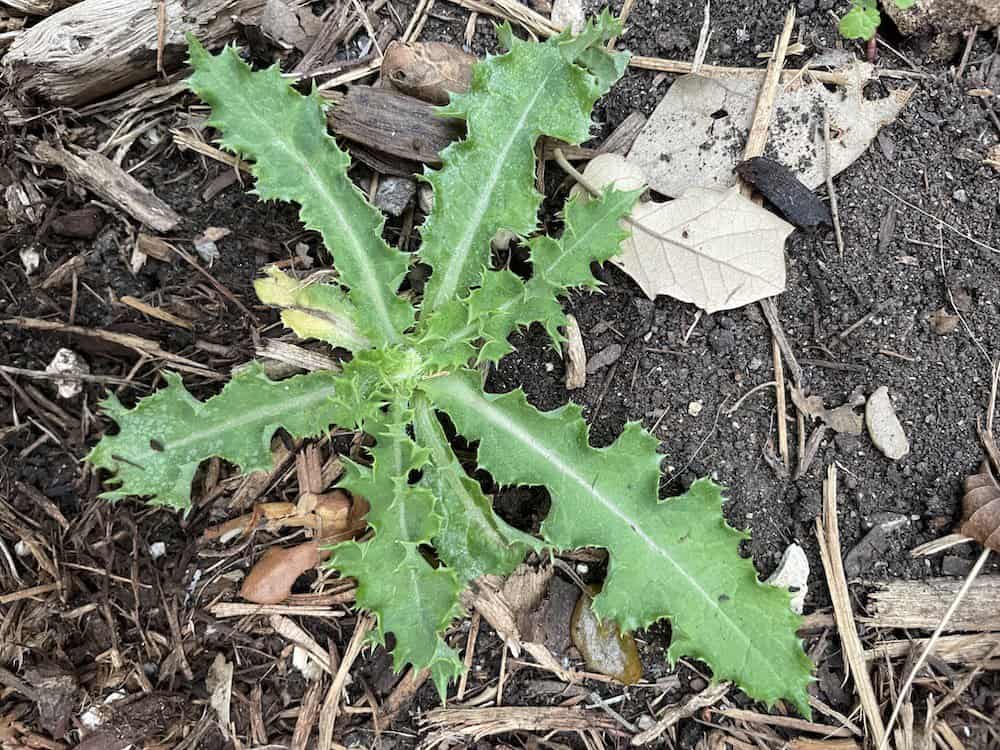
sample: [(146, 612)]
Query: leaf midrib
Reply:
[(460, 252), (461, 390), (373, 289), (265, 413)]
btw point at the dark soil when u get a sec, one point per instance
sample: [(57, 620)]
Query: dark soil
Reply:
[(108, 633)]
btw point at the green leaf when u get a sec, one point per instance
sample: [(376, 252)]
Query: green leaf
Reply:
[(410, 598), (262, 118), (372, 380), (471, 540), (675, 558), (312, 310), (586, 49), (592, 233), (162, 441), (904, 4), (487, 180), (860, 22)]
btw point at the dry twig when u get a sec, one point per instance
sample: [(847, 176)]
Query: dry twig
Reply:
[(827, 530)]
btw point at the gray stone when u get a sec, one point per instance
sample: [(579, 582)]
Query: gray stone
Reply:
[(872, 546), (884, 426), (607, 356), (952, 565), (394, 194)]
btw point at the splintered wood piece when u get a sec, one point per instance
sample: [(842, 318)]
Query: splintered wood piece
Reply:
[(574, 355), (469, 723), (112, 183), (393, 123), (828, 533), (99, 47), (981, 508), (37, 7), (922, 604)]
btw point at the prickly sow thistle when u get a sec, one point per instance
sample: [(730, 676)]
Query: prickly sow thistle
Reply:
[(412, 361)]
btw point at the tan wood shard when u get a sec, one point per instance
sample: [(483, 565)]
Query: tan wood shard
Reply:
[(98, 47)]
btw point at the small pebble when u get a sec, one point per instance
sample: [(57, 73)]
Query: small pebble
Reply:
[(30, 259), (394, 194), (568, 14), (69, 362), (961, 196), (425, 198), (695, 407), (607, 356), (792, 574), (884, 426)]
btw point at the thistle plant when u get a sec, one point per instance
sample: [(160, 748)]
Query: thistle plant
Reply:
[(413, 360)]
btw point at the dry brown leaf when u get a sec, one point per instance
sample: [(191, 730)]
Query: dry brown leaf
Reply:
[(714, 248), (981, 508), (843, 419), (696, 134), (428, 70), (270, 580), (604, 648)]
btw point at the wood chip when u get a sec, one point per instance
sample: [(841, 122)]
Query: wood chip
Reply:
[(98, 47), (111, 182), (376, 117), (788, 722), (707, 697), (286, 628), (127, 340), (155, 312), (463, 725), (574, 355), (921, 604)]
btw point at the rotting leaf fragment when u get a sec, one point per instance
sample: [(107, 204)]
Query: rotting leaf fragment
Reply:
[(797, 203), (981, 508)]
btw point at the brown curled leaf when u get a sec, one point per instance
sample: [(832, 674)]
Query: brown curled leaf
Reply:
[(243, 524), (843, 419), (793, 200), (270, 581), (604, 648), (981, 508), (428, 70), (330, 512)]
